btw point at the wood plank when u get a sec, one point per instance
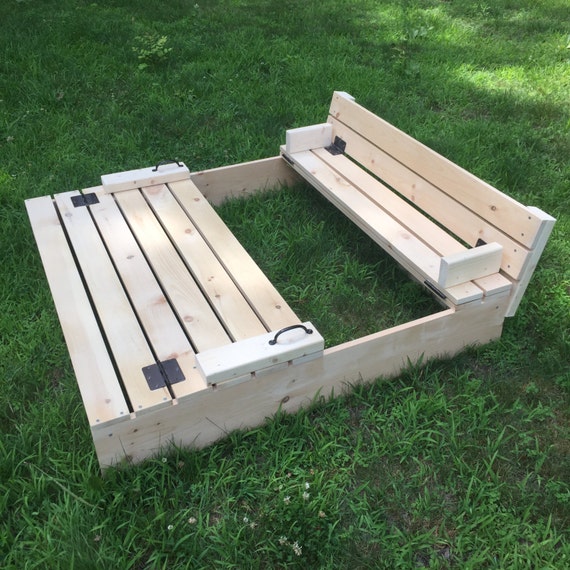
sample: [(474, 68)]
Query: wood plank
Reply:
[(237, 180), (223, 295), (413, 254), (459, 220), (308, 138), (98, 383), (494, 284), (124, 335), (468, 265), (499, 209), (258, 353), (131, 179), (383, 197), (194, 312), (252, 282), (155, 314)]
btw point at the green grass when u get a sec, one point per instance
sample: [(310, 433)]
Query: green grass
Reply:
[(328, 270), (457, 464)]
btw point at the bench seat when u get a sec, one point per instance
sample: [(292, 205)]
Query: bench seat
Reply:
[(417, 243)]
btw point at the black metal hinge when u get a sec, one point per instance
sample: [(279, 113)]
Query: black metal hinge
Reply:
[(337, 147), (85, 199), (434, 289), (163, 373)]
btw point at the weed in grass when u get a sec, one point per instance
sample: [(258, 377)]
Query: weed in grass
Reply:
[(151, 49)]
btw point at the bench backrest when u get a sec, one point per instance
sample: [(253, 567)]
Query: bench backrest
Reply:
[(465, 205)]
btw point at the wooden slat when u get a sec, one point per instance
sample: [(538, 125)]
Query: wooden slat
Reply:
[(412, 253), (198, 318), (100, 390), (494, 284), (155, 314), (222, 293), (502, 211), (257, 289), (459, 220), (308, 138), (124, 335), (547, 223)]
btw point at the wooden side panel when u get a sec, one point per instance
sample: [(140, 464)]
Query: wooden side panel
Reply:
[(243, 179), (155, 314), (124, 335), (308, 138), (502, 211), (471, 264), (211, 415), (100, 390), (254, 285)]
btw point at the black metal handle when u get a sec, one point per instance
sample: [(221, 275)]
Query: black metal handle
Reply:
[(286, 329), (162, 162)]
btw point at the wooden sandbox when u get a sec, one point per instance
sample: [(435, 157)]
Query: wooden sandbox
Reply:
[(176, 335)]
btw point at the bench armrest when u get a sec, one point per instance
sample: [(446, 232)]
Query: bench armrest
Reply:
[(470, 264), (308, 138)]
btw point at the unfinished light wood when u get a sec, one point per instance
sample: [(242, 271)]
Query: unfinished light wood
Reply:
[(470, 264), (457, 219), (258, 353), (137, 265), (211, 415), (239, 319), (547, 224), (383, 197), (412, 253), (471, 192), (131, 179), (126, 340), (155, 314), (252, 282), (194, 312), (308, 138), (94, 371), (241, 180)]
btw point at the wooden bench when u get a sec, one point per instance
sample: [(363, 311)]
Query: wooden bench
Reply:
[(460, 236), (175, 334)]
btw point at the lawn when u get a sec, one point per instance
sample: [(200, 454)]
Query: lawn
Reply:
[(463, 463)]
